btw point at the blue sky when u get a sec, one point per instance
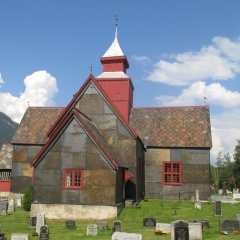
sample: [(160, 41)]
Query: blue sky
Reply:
[(179, 52)]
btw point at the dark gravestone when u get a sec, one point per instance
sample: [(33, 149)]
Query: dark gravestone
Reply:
[(229, 225), (218, 208), (117, 226), (32, 222), (224, 189), (70, 224), (3, 208), (205, 223), (149, 222), (102, 225), (44, 233), (2, 236), (181, 230)]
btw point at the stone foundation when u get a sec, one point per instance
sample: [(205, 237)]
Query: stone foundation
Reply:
[(74, 212)]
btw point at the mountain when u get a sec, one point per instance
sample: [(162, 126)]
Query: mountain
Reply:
[(7, 128)]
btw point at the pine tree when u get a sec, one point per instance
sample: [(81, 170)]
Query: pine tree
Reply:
[(237, 163)]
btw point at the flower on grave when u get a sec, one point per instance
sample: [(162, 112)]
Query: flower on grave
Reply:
[(34, 233), (235, 232), (158, 231), (224, 232), (168, 233), (203, 230)]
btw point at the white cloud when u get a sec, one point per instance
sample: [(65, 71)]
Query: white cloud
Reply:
[(219, 61), (194, 95), (140, 58), (225, 132), (1, 80), (40, 89)]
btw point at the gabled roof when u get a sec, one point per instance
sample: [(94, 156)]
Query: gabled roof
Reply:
[(6, 156), (92, 132), (173, 126), (35, 124), (71, 106)]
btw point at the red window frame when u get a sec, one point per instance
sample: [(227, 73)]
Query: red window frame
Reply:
[(172, 173), (73, 179)]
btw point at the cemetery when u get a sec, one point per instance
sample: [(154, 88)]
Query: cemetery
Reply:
[(154, 219)]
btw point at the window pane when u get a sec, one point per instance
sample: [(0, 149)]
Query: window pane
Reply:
[(68, 178), (77, 179), (176, 178), (175, 167), (167, 177), (167, 167)]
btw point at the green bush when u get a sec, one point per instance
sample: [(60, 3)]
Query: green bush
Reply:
[(28, 197)]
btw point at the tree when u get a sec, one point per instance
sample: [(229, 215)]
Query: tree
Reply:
[(28, 197), (236, 157)]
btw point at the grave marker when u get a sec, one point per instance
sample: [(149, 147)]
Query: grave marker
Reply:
[(117, 226), (126, 236), (165, 227), (192, 199), (229, 225), (198, 205), (70, 224), (19, 236), (44, 233), (218, 208), (180, 230), (149, 222), (19, 201), (195, 231), (92, 230), (197, 196), (32, 222), (102, 225), (3, 208), (40, 222)]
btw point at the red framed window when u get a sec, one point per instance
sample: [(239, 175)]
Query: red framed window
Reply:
[(172, 173), (73, 179)]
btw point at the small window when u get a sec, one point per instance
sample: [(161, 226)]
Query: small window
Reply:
[(73, 179), (172, 173)]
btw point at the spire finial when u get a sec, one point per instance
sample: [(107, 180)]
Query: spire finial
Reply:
[(91, 68), (116, 16)]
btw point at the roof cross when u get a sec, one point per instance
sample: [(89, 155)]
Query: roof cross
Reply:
[(90, 68)]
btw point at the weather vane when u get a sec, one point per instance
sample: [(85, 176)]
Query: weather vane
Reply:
[(204, 100), (116, 16), (91, 68)]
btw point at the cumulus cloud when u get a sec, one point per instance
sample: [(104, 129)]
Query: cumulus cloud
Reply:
[(140, 58), (194, 95), (219, 61), (225, 132), (40, 89)]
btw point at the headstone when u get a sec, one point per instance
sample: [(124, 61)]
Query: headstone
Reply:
[(149, 222), (205, 223), (102, 225), (229, 225), (218, 208), (180, 230), (224, 189), (165, 227), (198, 205), (195, 231), (92, 230), (11, 202), (19, 201), (117, 226), (44, 233), (32, 222), (2, 236), (70, 224), (126, 236), (197, 196), (238, 216), (192, 199), (220, 191), (236, 195), (19, 236), (40, 221), (210, 200), (3, 208)]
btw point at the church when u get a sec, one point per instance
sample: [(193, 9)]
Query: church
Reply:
[(87, 159)]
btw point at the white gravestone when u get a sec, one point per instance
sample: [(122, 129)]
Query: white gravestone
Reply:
[(195, 231), (19, 201), (197, 196), (198, 205), (92, 230), (126, 236), (19, 236), (165, 227), (236, 195), (40, 222)]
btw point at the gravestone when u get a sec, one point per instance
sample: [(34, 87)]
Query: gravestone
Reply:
[(180, 230), (198, 205), (70, 224), (192, 199), (210, 200), (19, 201), (224, 193), (32, 222), (218, 208), (238, 216), (11, 205), (117, 226), (102, 225), (126, 236), (229, 225), (3, 208), (220, 191), (165, 227), (19, 236), (149, 222), (44, 233), (205, 223), (195, 231), (236, 195), (2, 236), (92, 230), (40, 222), (165, 198), (197, 196)]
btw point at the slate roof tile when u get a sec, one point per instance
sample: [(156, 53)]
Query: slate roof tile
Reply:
[(6, 156)]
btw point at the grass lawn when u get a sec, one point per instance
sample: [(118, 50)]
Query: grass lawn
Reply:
[(132, 221)]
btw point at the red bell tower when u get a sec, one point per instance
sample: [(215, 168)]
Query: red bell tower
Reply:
[(114, 79)]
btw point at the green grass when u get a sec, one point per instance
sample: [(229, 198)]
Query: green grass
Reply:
[(132, 218)]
